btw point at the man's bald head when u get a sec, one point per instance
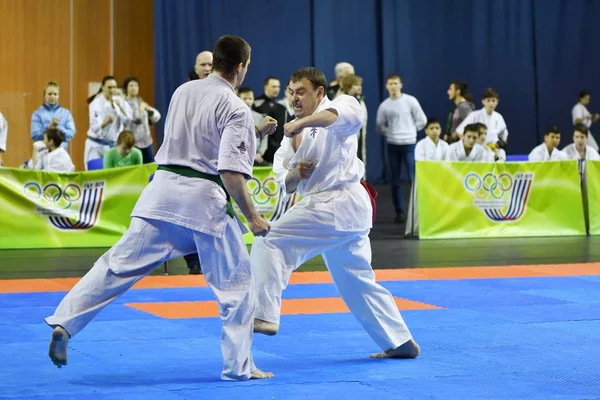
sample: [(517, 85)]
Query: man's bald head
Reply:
[(203, 65)]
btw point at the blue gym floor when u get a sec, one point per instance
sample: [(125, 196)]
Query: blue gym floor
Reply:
[(500, 338)]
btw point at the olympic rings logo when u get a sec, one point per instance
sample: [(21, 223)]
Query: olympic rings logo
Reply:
[(489, 185), (52, 194), (262, 192)]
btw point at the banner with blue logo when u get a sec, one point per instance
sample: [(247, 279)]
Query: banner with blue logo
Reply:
[(92, 209), (475, 200)]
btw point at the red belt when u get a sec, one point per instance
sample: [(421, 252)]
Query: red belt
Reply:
[(372, 196)]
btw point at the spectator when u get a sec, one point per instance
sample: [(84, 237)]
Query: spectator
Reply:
[(341, 69), (499, 155), (399, 118), (288, 104), (142, 116), (579, 149), (267, 104), (581, 115), (124, 154), (352, 86), (203, 66), (458, 93), (497, 134), (431, 148), (247, 96), (51, 115), (467, 149), (54, 158), (548, 151), (3, 136), (109, 113)]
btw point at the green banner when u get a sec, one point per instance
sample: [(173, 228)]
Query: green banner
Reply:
[(81, 209), (476, 200), (592, 179), (92, 209)]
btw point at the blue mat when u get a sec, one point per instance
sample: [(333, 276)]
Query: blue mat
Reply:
[(520, 338)]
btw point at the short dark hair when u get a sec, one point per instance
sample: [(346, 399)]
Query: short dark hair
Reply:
[(245, 89), (314, 76), (582, 129), (472, 128), (481, 125), (228, 53), (432, 121), (553, 129), (127, 81), (55, 135), (583, 93), (127, 139), (268, 78), (393, 76), (490, 93)]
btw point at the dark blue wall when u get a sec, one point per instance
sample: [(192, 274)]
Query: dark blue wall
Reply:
[(538, 54)]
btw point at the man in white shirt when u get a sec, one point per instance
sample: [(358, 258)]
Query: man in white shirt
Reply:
[(581, 115), (206, 156), (579, 149), (247, 96), (548, 151), (399, 118), (3, 136), (432, 148), (497, 133), (333, 218), (467, 149), (54, 158)]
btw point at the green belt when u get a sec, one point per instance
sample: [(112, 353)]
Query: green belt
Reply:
[(192, 173)]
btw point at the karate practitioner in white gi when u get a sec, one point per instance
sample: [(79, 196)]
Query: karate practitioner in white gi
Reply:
[(467, 149), (209, 145), (333, 218), (548, 151)]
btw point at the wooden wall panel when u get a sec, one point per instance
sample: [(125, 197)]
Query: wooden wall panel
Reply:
[(134, 44), (35, 40), (91, 62), (34, 49)]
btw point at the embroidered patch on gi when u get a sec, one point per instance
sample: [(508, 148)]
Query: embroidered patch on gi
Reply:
[(313, 132), (242, 147)]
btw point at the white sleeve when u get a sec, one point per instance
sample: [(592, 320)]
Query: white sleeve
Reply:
[(420, 151), (60, 164), (469, 120), (380, 120), (124, 112), (593, 154), (350, 115), (535, 155), (3, 133), (96, 118), (238, 143), (451, 153), (503, 134), (577, 113), (562, 156), (418, 115), (155, 115), (281, 165)]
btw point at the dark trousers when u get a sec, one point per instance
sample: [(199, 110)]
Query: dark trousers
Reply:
[(401, 158), (147, 154), (192, 259)]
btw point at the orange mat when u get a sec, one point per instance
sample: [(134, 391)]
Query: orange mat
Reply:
[(204, 309), (454, 273)]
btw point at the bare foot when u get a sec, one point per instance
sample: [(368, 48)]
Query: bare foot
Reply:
[(258, 374), (58, 347), (264, 327), (409, 349)]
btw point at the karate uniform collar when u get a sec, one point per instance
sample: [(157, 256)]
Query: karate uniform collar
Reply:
[(321, 106), (220, 80)]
